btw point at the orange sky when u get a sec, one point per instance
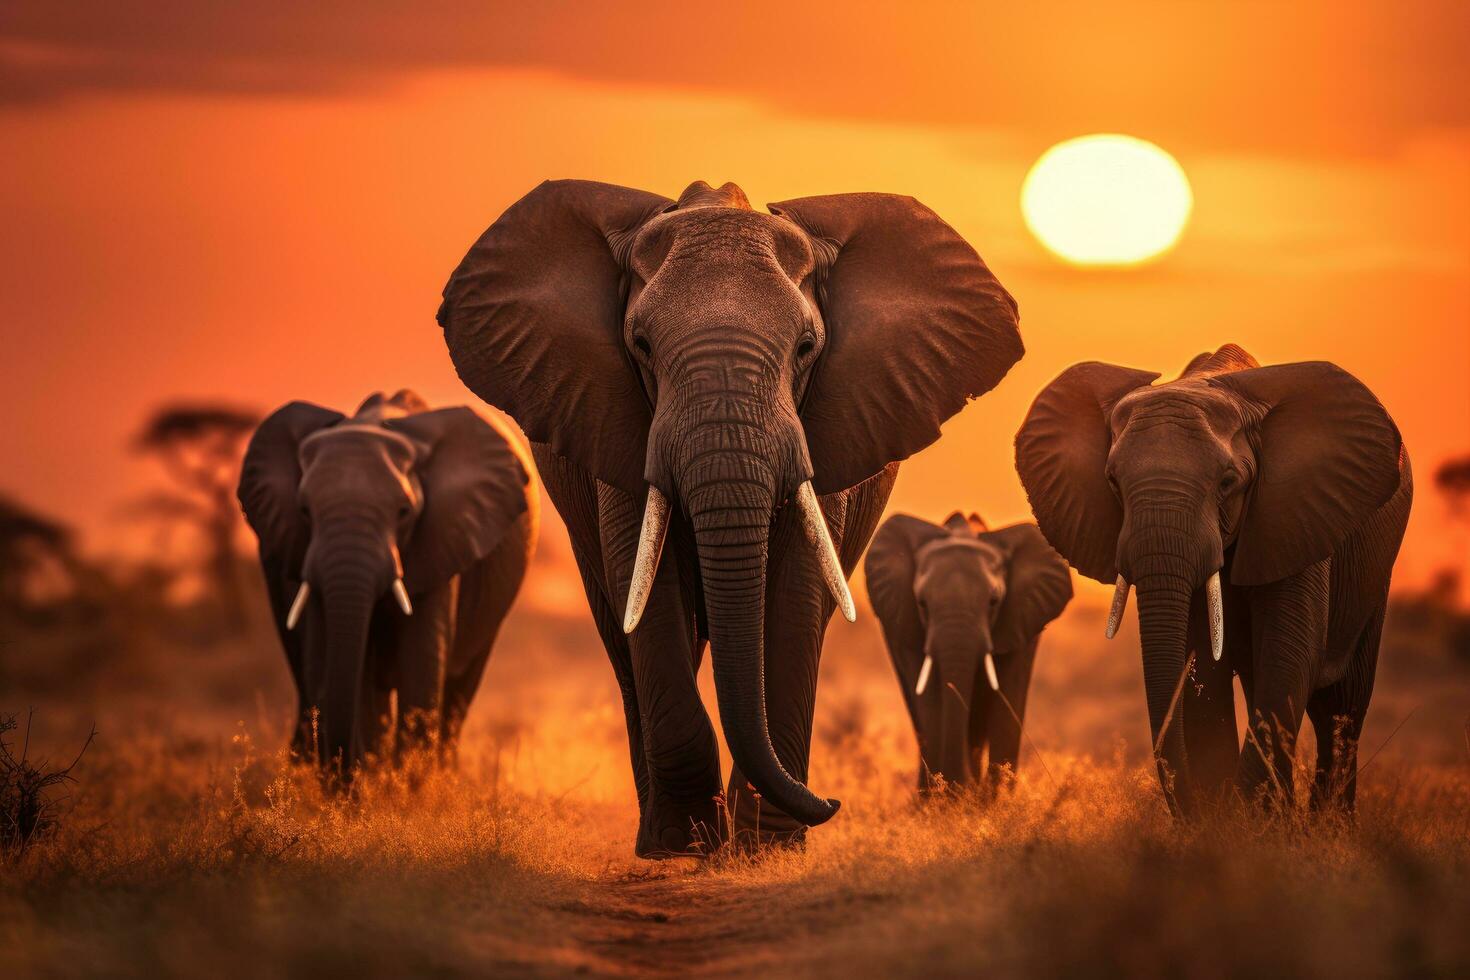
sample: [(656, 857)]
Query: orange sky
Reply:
[(265, 206)]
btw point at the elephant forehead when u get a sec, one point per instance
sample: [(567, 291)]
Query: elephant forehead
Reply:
[(707, 235), (957, 555), (353, 443), (1189, 403)]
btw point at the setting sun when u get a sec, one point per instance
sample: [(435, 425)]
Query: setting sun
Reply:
[(1106, 199)]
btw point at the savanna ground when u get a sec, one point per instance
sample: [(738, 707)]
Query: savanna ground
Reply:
[(188, 844)]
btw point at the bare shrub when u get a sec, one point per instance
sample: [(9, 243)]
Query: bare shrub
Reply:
[(28, 803)]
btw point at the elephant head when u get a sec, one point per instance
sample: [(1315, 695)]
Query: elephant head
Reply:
[(395, 500), (1256, 472), (704, 355), (952, 599)]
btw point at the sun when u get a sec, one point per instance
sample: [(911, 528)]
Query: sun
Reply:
[(1106, 199)]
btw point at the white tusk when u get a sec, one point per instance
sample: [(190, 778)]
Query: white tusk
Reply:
[(990, 673), (924, 674), (815, 526), (1120, 603), (1217, 616), (650, 548), (297, 605), (401, 594)]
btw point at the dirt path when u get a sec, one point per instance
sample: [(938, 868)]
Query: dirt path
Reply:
[(659, 921)]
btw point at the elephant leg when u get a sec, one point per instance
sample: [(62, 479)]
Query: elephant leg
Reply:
[(984, 706), (798, 608), (486, 591), (1290, 634), (574, 493), (1207, 702), (685, 811), (926, 711), (1003, 732), (420, 652), (1337, 713)]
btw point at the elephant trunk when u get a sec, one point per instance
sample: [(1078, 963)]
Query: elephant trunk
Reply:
[(351, 574), (956, 660), (729, 493), (1163, 617), (1165, 559)]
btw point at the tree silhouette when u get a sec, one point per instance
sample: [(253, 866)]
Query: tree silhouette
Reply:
[(32, 547), (1452, 479), (200, 446)]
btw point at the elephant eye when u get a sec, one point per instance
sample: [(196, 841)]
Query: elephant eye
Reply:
[(1228, 481), (805, 346), (641, 342)]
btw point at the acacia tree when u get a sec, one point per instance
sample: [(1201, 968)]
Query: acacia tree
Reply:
[(31, 546), (1453, 480), (200, 446)]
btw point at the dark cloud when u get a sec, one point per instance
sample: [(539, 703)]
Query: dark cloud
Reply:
[(1302, 75)]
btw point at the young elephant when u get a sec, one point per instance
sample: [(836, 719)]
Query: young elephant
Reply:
[(962, 609), (1258, 511), (393, 543)]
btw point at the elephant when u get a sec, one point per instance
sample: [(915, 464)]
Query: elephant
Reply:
[(953, 599), (717, 400), (1258, 512), (393, 544)]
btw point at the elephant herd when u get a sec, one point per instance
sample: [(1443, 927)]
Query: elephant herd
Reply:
[(717, 401)]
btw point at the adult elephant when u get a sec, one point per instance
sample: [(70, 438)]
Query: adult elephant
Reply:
[(962, 609), (1258, 511), (730, 390), (393, 543)]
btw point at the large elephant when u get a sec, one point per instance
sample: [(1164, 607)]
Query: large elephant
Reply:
[(1258, 512), (393, 543), (732, 390), (962, 609)]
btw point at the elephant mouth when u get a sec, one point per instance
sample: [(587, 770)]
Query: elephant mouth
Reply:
[(926, 670), (1214, 606), (655, 529)]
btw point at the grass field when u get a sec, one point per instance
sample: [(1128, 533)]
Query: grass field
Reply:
[(189, 845)]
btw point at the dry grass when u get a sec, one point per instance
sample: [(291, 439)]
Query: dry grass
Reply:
[(183, 854), (192, 846)]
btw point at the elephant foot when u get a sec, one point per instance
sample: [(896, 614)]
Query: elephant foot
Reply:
[(752, 841), (671, 831), (757, 825), (1272, 794)]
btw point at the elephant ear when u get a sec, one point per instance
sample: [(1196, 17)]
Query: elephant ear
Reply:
[(1061, 456), (533, 318), (270, 478), (916, 326), (1328, 457), (475, 487), (1038, 586), (889, 569)]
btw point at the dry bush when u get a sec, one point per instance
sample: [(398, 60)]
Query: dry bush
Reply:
[(28, 802)]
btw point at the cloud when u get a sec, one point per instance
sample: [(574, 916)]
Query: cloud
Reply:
[(1303, 76)]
